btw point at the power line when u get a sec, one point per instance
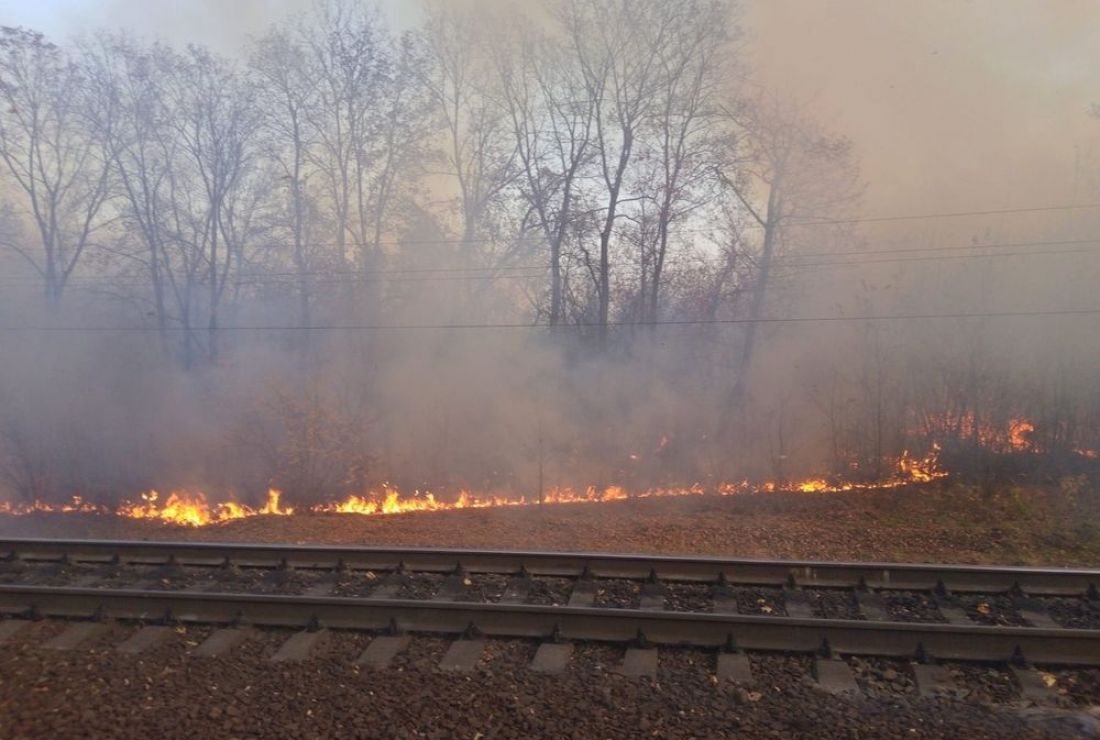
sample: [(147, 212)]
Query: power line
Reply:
[(256, 278), (936, 258), (996, 245), (808, 222), (350, 280), (948, 214), (353, 280), (579, 325), (429, 274), (812, 221), (350, 273), (899, 217)]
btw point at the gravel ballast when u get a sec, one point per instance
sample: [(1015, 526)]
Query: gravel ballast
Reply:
[(167, 693), (911, 606)]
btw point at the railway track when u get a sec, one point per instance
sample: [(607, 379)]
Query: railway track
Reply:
[(1003, 614), (908, 576)]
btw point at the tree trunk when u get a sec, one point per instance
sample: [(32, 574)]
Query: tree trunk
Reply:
[(756, 306)]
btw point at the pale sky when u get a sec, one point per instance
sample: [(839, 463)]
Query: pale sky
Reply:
[(221, 24)]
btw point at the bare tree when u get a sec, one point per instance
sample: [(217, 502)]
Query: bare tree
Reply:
[(182, 145), (404, 132), (552, 121), (183, 151), (346, 119), (786, 169), (618, 48), (140, 153), (213, 122), (286, 90), (479, 154), (681, 135), (50, 153), (346, 49)]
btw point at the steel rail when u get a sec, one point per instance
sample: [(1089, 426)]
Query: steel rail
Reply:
[(756, 632), (738, 571)]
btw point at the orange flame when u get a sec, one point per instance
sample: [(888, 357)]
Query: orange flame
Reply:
[(185, 508), (75, 504), (192, 509), (1019, 435), (272, 504)]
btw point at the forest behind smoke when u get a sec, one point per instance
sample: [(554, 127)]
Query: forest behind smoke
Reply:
[(585, 243)]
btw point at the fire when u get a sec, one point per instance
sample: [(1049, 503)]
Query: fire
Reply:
[(389, 503), (181, 507), (1019, 435), (921, 471), (390, 500), (192, 509), (75, 504), (696, 489), (272, 504), (909, 470)]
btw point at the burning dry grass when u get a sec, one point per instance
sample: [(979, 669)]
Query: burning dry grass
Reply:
[(1017, 438), (193, 508), (1038, 524)]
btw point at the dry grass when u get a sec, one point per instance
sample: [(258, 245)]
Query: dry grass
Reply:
[(1054, 525)]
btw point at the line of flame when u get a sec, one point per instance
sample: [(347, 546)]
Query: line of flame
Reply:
[(191, 508)]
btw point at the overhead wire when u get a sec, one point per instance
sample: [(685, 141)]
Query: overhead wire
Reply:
[(419, 274), (572, 325), (810, 222)]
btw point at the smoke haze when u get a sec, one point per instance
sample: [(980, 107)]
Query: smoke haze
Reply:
[(434, 378), (944, 101)]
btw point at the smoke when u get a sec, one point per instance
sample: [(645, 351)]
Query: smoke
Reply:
[(947, 103), (950, 108), (975, 104)]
